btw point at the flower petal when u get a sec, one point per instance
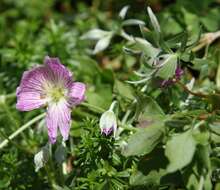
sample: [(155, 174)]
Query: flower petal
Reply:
[(58, 115), (30, 94), (60, 72), (64, 121), (77, 93), (52, 122)]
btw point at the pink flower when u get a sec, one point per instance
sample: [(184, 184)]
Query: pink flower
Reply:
[(51, 85)]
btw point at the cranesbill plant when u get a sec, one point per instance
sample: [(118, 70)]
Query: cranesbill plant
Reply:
[(51, 85)]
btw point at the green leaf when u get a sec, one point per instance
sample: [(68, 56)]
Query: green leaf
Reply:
[(138, 178), (215, 127), (60, 154), (144, 140), (193, 24), (180, 151), (217, 186), (211, 20), (203, 156), (57, 187), (123, 89), (169, 67), (201, 134), (101, 97), (207, 182), (149, 169), (5, 182), (215, 132), (149, 108), (192, 181)]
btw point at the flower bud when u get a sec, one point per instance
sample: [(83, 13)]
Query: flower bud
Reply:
[(108, 123)]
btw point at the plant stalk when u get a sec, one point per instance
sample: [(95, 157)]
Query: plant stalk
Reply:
[(22, 128)]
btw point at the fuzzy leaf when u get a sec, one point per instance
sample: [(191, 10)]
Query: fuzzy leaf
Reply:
[(41, 158), (146, 47), (60, 154), (124, 89), (143, 141), (132, 22), (153, 20), (138, 178), (180, 150), (102, 44), (94, 34), (124, 11), (169, 67)]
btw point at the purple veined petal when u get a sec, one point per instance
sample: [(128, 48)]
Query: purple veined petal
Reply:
[(60, 72), (30, 93), (77, 93), (52, 122), (64, 121), (34, 78), (58, 115), (30, 100)]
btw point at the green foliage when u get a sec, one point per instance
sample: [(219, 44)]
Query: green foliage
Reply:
[(144, 140), (168, 137), (180, 150)]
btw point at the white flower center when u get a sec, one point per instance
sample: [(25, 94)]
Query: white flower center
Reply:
[(55, 92)]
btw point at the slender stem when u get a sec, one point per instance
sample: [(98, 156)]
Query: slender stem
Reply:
[(190, 92), (15, 144), (90, 106), (50, 176), (124, 119), (22, 128)]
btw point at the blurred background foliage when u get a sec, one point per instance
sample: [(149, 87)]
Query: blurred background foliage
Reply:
[(31, 29)]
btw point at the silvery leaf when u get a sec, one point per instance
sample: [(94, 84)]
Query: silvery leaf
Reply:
[(124, 11), (153, 20), (132, 22), (94, 34), (168, 67), (147, 48), (102, 44), (41, 158)]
